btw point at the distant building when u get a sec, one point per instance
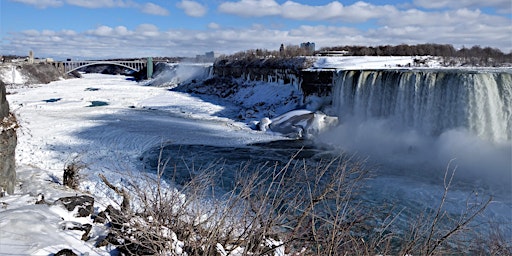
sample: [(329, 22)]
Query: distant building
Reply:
[(308, 47), (210, 55), (333, 53), (207, 57)]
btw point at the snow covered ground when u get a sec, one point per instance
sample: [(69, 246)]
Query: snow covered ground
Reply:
[(375, 62), (68, 120)]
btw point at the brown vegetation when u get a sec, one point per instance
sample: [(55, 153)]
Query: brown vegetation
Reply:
[(71, 176), (298, 208)]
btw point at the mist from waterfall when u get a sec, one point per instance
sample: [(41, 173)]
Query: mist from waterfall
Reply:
[(173, 74), (416, 122)]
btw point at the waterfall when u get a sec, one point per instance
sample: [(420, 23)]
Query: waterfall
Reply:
[(429, 101)]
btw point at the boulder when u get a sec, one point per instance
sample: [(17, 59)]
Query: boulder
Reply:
[(71, 225), (83, 205), (66, 252)]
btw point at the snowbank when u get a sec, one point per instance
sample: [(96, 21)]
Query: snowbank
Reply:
[(59, 124), (375, 62)]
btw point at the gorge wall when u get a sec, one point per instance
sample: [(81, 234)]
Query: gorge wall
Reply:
[(25, 73), (8, 142), (292, 71)]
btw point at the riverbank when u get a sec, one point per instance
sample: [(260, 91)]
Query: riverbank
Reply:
[(59, 125)]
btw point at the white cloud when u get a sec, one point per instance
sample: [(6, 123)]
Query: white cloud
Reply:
[(357, 12), (213, 25), (122, 31), (67, 32), (100, 3), (192, 8), (47, 32), (453, 18), (31, 33), (148, 8), (298, 11), (251, 8), (101, 31), (361, 11), (502, 6), (151, 8), (147, 30), (41, 3)]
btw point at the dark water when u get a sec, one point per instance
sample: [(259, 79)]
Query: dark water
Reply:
[(186, 161), (98, 103), (409, 194), (52, 100)]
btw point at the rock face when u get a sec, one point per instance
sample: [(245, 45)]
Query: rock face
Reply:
[(8, 142), (41, 73), (295, 71)]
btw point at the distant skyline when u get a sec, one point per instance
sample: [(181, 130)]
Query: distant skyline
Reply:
[(138, 28)]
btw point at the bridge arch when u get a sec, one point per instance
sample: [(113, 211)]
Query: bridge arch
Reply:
[(86, 64)]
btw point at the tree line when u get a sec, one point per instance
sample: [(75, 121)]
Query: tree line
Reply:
[(476, 55), (450, 56)]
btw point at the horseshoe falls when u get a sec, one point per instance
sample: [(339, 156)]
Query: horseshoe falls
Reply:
[(414, 124), (430, 102)]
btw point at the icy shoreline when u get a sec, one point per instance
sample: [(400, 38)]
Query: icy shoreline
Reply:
[(58, 126)]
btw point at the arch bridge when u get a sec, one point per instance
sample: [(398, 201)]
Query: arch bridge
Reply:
[(72, 65)]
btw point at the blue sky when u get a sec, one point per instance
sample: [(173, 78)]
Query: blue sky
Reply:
[(139, 28)]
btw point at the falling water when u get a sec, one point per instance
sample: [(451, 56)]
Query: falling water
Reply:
[(431, 102), (413, 123), (416, 124)]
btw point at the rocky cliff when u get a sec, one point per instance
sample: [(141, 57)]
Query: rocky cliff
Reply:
[(293, 71), (8, 142), (24, 73)]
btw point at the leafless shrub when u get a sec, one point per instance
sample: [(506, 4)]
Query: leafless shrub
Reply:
[(437, 232), (71, 176), (298, 208)]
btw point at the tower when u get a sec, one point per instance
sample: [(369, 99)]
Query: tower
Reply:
[(31, 57)]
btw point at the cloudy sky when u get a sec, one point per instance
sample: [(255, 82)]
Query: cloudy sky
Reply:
[(138, 28)]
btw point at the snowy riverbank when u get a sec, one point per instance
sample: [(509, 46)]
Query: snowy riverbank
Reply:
[(58, 124)]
